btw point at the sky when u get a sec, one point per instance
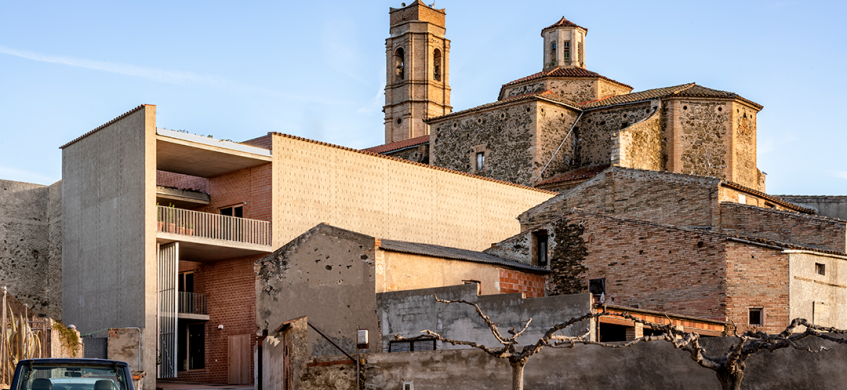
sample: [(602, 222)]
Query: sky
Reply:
[(237, 70)]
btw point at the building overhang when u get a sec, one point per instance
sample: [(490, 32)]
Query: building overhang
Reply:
[(203, 156), (207, 250)]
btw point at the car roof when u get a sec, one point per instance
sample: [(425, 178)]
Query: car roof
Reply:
[(102, 362)]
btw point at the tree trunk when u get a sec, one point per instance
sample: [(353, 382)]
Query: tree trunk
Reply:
[(517, 375), (730, 380)]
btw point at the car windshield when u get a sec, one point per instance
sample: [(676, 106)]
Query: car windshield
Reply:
[(71, 377)]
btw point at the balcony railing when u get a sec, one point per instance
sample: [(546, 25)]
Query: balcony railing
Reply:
[(192, 303), (214, 226)]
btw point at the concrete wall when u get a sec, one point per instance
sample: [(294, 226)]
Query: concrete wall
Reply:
[(815, 297), (30, 244), (828, 206), (407, 313), (108, 212), (645, 366), (389, 198)]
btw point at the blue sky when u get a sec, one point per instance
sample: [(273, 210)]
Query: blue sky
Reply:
[(237, 70)]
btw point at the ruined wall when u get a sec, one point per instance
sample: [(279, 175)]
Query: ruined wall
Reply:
[(815, 296), (757, 277), (641, 145), (828, 206), (30, 245), (389, 198), (327, 274), (786, 226), (506, 134), (644, 366), (745, 171), (667, 198), (554, 122), (594, 133), (407, 313)]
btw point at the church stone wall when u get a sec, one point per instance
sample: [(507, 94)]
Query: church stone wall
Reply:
[(576, 89), (506, 134), (594, 137), (388, 198), (554, 122), (700, 131), (641, 145), (745, 171), (608, 88)]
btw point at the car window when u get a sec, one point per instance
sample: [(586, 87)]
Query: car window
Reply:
[(71, 377)]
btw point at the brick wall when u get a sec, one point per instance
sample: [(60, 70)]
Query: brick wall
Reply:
[(251, 186), (757, 277), (801, 229), (183, 182), (515, 281)]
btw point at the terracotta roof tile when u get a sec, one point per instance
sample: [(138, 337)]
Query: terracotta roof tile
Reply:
[(101, 127), (564, 72), (294, 137), (564, 23), (399, 144), (635, 97), (576, 174), (541, 95), (700, 91)]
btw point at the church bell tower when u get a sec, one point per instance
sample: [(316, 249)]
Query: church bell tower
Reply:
[(564, 45), (417, 71)]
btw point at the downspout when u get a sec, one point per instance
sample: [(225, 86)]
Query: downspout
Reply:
[(557, 149), (139, 345)]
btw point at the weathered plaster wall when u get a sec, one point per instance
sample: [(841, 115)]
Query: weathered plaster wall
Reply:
[(409, 272), (30, 245), (595, 130), (506, 134), (327, 274), (757, 277), (109, 253), (407, 313), (644, 366), (786, 226), (123, 345), (389, 198), (815, 297), (641, 145), (828, 206)]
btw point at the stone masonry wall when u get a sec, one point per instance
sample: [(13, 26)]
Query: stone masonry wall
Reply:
[(703, 137), (418, 153), (786, 226), (506, 134), (641, 145), (554, 122), (757, 277), (594, 136), (30, 245), (745, 170)]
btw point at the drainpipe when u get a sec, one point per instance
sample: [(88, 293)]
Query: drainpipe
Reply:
[(139, 345)]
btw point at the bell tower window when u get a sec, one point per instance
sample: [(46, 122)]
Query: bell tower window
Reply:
[(436, 65), (566, 46), (400, 64)]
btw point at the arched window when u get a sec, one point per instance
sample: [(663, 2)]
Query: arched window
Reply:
[(399, 64), (436, 65)]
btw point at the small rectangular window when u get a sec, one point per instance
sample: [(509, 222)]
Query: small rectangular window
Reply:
[(742, 199), (820, 269), (540, 240), (566, 47), (597, 286), (412, 345), (480, 161), (756, 317)]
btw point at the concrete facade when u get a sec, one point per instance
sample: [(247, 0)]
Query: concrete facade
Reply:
[(31, 244)]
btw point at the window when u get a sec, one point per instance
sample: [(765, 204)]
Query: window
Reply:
[(820, 269), (566, 47), (553, 51), (540, 238), (233, 211), (399, 64), (412, 345), (480, 161), (436, 65), (756, 317), (742, 199), (597, 286), (231, 229)]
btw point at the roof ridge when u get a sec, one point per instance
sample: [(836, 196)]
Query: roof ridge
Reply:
[(410, 162), (406, 143), (511, 99), (101, 127)]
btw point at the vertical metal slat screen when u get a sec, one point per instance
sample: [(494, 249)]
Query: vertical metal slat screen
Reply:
[(168, 266)]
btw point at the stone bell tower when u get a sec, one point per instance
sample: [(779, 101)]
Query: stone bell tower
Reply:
[(564, 45), (417, 71)]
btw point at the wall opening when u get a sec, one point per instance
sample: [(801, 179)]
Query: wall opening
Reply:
[(820, 269), (540, 243), (756, 317), (399, 64), (436, 65)]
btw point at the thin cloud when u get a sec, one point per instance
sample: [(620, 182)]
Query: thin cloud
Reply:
[(375, 104), (841, 174), (14, 174), (160, 75)]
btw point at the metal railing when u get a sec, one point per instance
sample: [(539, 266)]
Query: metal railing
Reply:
[(214, 226), (192, 303)]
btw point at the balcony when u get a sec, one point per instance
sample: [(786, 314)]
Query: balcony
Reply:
[(192, 306), (208, 237)]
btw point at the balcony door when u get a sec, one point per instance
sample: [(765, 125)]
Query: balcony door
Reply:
[(231, 228)]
